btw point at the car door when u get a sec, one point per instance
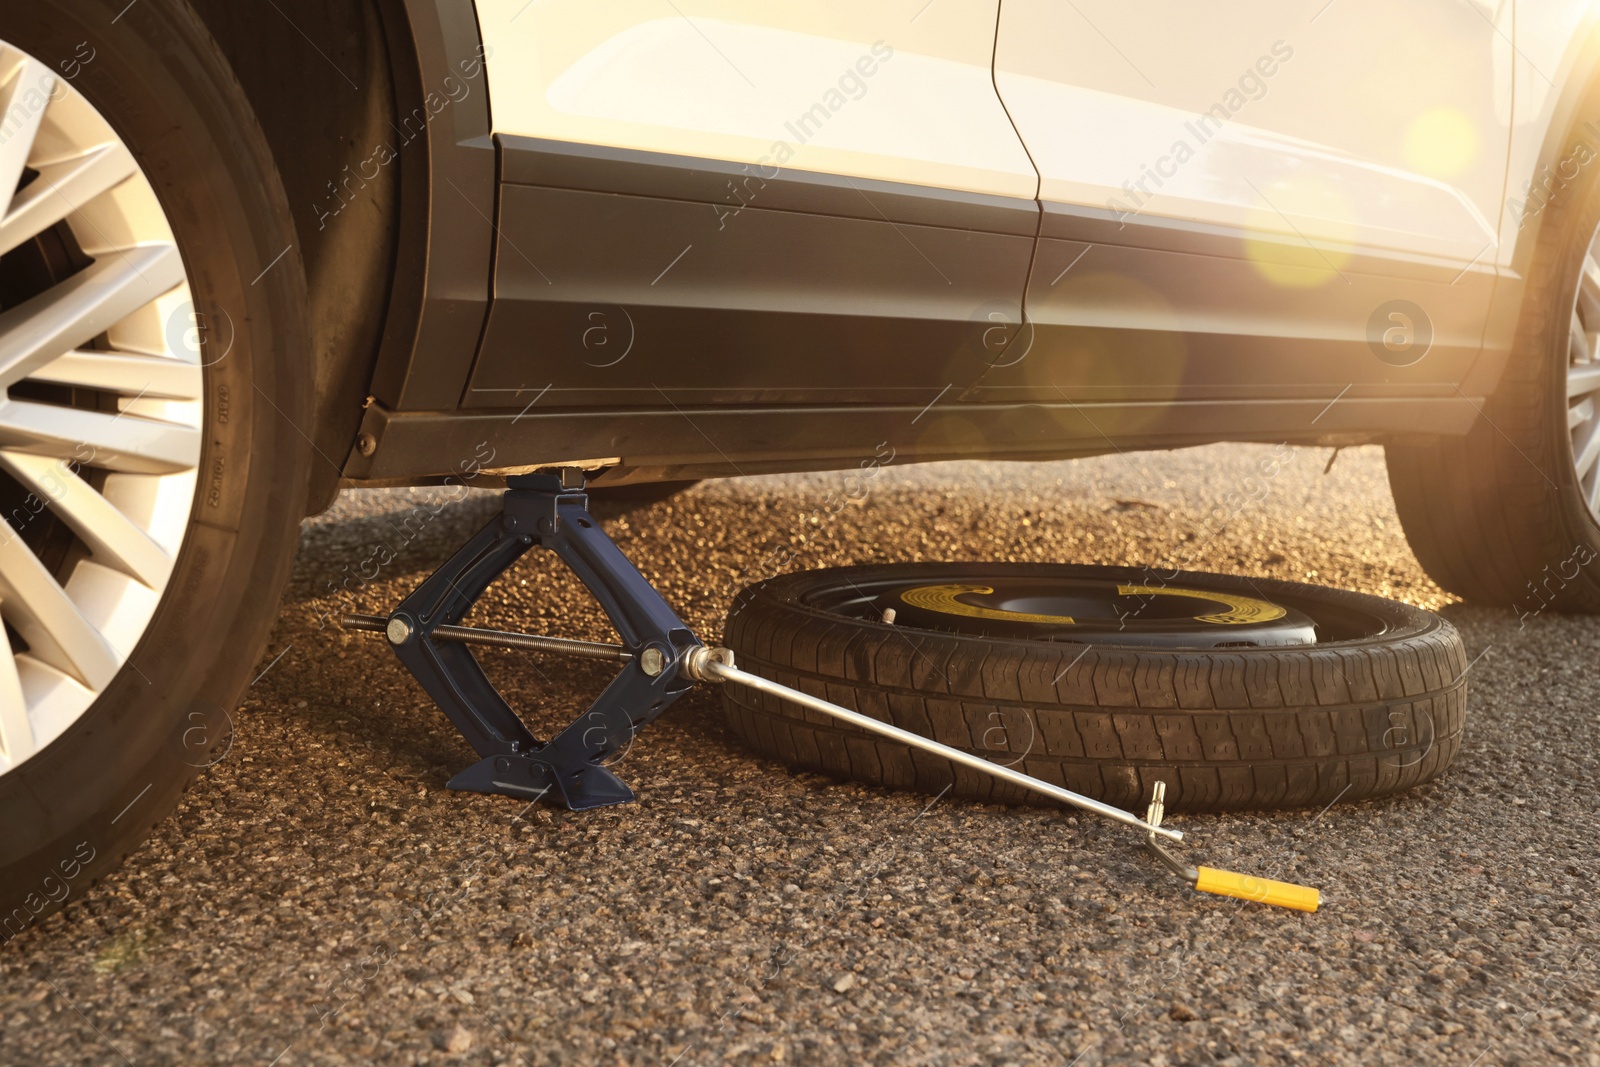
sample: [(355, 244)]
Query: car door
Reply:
[(713, 202), (1256, 200)]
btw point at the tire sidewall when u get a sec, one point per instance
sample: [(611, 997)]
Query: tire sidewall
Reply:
[(1226, 728), (1546, 323), (1561, 576)]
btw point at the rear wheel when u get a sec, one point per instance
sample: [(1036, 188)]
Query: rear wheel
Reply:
[(152, 347), (1510, 515), (1238, 693)]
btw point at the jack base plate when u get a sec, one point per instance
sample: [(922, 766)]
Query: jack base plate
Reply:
[(587, 786)]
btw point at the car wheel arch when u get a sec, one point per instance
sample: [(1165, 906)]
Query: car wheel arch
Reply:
[(337, 86)]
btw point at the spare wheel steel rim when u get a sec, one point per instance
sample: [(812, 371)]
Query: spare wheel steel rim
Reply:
[(1104, 606)]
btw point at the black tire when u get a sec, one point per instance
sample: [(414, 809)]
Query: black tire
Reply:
[(1498, 517), (73, 810), (1226, 728)]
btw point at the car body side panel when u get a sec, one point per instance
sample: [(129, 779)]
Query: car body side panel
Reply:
[(733, 203), (1556, 63), (1380, 128), (1256, 359), (829, 86), (1190, 316), (632, 279), (1235, 202)]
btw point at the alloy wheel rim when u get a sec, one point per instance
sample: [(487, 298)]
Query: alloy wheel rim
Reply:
[(1583, 377), (101, 405)]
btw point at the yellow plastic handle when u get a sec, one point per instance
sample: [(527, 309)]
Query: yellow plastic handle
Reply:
[(1243, 886)]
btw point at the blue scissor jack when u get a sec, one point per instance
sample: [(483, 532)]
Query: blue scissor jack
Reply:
[(549, 510)]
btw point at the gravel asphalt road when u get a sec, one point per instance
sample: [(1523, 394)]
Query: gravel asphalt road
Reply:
[(319, 898)]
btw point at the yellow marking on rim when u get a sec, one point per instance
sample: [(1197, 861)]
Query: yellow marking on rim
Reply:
[(942, 598), (1242, 610)]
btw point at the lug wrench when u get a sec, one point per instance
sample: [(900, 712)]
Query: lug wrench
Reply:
[(716, 665)]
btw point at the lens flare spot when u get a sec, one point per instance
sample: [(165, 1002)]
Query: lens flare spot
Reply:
[(1441, 143), (1300, 232)]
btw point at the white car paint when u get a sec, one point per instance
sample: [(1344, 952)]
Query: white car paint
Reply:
[(1411, 129), (1350, 125), (900, 92), (1551, 36)]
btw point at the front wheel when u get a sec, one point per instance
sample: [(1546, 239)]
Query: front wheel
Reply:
[(152, 359)]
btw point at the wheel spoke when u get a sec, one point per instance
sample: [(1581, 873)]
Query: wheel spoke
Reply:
[(61, 189), (56, 631), (126, 443), (1580, 413), (1583, 379), (84, 306), (1578, 350), (1586, 448), (114, 539), (16, 732), (1589, 293), (32, 81), (79, 587), (134, 375)]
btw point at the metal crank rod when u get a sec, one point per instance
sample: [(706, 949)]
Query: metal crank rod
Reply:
[(716, 665), (661, 660), (472, 635)]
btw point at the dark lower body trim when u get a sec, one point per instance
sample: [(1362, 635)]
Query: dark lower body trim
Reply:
[(705, 442)]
